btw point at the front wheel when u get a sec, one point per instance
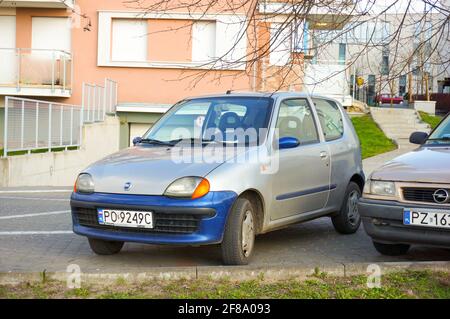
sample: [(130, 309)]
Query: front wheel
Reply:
[(103, 247), (347, 221), (239, 237), (391, 249)]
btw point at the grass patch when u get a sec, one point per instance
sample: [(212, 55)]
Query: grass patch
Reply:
[(432, 120), (39, 151), (398, 285), (373, 141)]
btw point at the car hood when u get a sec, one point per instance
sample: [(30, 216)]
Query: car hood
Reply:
[(424, 165), (150, 169)]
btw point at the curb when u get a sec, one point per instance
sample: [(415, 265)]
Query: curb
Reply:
[(235, 273)]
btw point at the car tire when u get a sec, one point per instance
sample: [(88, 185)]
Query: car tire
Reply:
[(348, 220), (103, 247), (239, 235), (391, 249)]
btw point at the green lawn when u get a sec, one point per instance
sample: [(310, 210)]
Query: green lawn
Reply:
[(406, 284), (373, 141), (432, 120), (38, 151)]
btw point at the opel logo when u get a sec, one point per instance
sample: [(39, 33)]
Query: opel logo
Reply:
[(441, 196), (127, 186)]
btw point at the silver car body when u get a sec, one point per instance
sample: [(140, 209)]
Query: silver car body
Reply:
[(311, 180)]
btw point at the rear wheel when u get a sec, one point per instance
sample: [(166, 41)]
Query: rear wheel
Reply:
[(391, 249), (103, 247), (347, 221), (239, 237)]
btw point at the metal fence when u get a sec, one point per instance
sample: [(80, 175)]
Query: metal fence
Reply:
[(98, 100), (34, 124)]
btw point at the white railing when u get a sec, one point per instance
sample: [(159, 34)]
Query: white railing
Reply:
[(99, 100), (33, 125), (35, 68)]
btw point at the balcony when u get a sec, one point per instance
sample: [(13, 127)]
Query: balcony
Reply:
[(32, 72), (56, 4)]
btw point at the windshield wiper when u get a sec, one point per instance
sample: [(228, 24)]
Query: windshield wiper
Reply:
[(157, 142), (192, 140)]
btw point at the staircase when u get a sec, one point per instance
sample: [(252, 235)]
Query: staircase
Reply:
[(398, 124)]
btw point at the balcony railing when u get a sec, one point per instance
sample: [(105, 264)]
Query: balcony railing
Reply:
[(35, 72)]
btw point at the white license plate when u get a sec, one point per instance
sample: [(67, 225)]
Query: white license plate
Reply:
[(125, 218), (426, 218)]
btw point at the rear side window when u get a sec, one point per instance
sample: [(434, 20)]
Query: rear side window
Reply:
[(330, 119), (295, 119)]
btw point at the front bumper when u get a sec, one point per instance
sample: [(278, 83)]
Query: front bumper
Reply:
[(383, 221), (208, 214)]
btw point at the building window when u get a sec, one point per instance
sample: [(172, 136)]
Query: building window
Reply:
[(51, 33), (342, 53), (129, 40), (203, 41), (385, 61), (371, 81), (402, 85)]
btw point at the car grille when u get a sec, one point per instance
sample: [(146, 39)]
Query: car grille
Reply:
[(416, 194), (163, 223)]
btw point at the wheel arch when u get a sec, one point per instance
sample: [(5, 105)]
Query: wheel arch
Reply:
[(256, 198), (359, 180)]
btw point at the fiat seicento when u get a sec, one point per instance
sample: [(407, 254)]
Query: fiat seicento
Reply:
[(222, 169)]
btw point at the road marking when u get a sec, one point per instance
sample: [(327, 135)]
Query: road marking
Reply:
[(35, 214), (54, 232), (36, 198), (38, 191)]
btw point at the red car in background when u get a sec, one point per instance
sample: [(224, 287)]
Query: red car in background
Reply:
[(386, 99)]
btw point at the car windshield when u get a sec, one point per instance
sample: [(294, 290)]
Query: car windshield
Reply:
[(215, 119), (442, 133)]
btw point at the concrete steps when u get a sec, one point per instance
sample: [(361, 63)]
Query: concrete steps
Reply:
[(398, 124)]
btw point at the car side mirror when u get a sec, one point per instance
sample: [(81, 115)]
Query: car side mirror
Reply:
[(288, 142), (418, 138), (137, 140)]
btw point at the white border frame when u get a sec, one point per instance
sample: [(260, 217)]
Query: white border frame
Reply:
[(104, 39)]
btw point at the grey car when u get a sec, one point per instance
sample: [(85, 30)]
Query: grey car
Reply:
[(407, 200), (222, 169)]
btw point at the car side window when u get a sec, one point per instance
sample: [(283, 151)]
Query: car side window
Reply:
[(295, 119), (330, 118)]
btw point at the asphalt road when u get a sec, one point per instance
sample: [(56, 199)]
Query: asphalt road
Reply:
[(35, 234)]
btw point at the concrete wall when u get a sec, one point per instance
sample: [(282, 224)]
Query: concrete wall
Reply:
[(61, 168)]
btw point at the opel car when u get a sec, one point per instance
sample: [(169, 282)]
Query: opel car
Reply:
[(222, 169), (407, 200)]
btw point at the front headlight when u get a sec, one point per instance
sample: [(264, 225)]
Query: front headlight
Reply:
[(84, 184), (381, 188), (188, 187)]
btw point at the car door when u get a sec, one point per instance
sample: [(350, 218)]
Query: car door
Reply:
[(332, 124), (301, 184)]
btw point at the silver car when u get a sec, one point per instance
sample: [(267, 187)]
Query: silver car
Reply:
[(222, 169)]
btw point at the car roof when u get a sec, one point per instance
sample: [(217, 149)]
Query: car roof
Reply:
[(262, 94)]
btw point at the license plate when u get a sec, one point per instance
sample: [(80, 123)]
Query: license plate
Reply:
[(426, 218), (125, 218)]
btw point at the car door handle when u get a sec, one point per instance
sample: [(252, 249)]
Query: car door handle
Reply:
[(323, 155)]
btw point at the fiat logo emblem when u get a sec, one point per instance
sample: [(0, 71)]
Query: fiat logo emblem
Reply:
[(127, 186), (441, 196)]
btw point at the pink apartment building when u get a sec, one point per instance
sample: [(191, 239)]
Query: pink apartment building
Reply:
[(48, 49)]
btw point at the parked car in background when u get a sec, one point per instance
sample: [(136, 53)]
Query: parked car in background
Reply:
[(388, 99), (407, 201), (142, 194)]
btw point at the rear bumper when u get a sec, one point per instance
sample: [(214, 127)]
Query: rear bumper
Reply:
[(383, 221), (209, 212)]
